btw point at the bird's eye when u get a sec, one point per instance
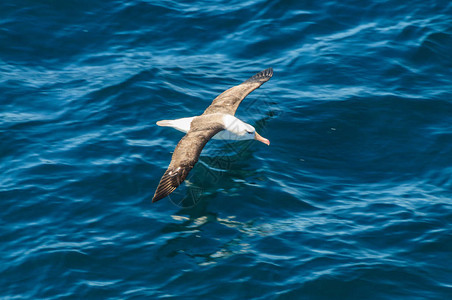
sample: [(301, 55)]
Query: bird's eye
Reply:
[(249, 131)]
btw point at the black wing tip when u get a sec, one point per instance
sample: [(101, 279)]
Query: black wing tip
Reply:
[(162, 191), (166, 186), (264, 75), (158, 197), (268, 72), (170, 180)]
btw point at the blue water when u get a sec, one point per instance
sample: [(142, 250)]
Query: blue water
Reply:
[(352, 200)]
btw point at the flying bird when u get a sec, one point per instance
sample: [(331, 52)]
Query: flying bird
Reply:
[(217, 122)]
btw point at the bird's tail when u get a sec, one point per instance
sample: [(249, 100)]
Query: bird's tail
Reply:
[(165, 123), (179, 124)]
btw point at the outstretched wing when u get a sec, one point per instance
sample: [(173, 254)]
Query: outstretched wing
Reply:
[(186, 154), (228, 101)]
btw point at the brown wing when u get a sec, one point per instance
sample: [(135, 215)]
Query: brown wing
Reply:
[(186, 154), (228, 101)]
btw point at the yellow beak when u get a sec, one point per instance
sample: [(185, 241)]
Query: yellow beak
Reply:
[(261, 139)]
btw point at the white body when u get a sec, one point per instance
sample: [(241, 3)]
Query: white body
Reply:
[(236, 129)]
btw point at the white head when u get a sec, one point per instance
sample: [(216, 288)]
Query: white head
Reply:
[(242, 130)]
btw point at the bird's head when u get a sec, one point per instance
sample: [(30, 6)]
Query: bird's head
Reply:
[(245, 131)]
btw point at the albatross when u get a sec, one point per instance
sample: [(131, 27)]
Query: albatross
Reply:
[(217, 122)]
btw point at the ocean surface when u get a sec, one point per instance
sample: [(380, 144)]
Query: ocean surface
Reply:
[(352, 199)]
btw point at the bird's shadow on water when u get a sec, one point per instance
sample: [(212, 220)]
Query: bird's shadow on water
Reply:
[(195, 236)]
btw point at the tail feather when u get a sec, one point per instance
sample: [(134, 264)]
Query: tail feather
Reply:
[(178, 124), (165, 123)]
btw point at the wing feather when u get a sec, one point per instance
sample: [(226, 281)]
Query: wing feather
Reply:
[(228, 101), (186, 154)]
